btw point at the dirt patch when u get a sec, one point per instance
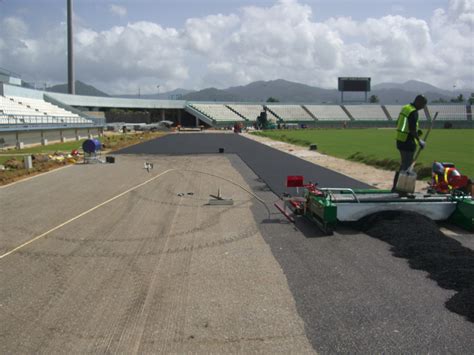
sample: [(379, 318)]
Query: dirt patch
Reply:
[(381, 179)]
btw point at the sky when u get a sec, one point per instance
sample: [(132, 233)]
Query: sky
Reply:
[(122, 46)]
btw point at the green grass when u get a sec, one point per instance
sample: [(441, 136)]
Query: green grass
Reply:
[(377, 146), (51, 148), (48, 149)]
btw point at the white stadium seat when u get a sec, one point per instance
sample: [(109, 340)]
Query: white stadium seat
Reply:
[(394, 111), (24, 110), (291, 113), (366, 112), (327, 112), (250, 112), (217, 112), (448, 112)]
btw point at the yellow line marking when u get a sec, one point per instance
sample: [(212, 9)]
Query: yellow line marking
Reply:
[(83, 214)]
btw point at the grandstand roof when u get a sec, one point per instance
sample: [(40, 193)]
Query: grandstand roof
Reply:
[(115, 102), (92, 101)]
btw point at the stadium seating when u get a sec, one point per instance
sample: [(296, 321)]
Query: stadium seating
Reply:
[(43, 107), (291, 113), (327, 112), (448, 112), (217, 112), (250, 112), (366, 112), (394, 111), (11, 107), (29, 111)]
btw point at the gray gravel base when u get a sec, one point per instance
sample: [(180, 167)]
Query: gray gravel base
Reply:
[(154, 271)]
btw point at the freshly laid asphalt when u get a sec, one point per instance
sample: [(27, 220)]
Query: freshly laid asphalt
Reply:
[(271, 165), (353, 294)]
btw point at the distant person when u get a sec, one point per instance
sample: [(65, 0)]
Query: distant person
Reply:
[(408, 134)]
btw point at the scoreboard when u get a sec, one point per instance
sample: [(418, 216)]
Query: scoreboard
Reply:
[(354, 84)]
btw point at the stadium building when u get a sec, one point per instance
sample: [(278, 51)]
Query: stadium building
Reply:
[(29, 116)]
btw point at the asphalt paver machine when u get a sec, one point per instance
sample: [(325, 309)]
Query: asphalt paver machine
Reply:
[(329, 206)]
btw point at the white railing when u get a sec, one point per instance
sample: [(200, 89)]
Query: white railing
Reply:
[(29, 120)]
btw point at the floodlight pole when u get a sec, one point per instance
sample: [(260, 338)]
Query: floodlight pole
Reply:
[(70, 49)]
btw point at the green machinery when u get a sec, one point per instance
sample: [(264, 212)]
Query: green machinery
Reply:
[(329, 206)]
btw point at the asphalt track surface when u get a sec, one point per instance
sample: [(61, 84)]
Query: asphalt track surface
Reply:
[(354, 294), (271, 165)]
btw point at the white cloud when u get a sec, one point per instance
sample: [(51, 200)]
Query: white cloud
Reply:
[(141, 54), (118, 10), (207, 34), (257, 43)]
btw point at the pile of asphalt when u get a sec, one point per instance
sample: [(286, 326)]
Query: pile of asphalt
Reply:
[(418, 239)]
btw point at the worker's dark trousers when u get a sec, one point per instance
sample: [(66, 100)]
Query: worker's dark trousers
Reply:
[(406, 160)]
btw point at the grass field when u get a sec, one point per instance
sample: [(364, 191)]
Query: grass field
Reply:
[(377, 146)]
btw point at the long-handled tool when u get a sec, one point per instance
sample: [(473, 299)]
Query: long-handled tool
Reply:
[(407, 179)]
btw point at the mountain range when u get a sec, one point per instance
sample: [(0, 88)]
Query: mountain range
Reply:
[(288, 92), (81, 89)]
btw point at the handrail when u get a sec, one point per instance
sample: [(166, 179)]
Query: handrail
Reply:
[(35, 120)]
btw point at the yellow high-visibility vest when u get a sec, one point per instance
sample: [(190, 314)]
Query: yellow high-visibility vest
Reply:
[(402, 123)]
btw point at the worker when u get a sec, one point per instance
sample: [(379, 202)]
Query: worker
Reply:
[(408, 134), (445, 178)]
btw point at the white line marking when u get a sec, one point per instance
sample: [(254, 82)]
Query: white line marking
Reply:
[(83, 214), (35, 176)]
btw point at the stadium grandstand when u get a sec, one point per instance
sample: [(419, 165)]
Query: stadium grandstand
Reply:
[(30, 116), (290, 113), (26, 113), (249, 112), (272, 117), (327, 112), (449, 112), (394, 110), (367, 113), (219, 114)]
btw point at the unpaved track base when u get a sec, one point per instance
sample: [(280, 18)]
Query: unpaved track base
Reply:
[(154, 271)]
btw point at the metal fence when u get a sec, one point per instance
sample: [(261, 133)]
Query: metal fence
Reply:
[(30, 122)]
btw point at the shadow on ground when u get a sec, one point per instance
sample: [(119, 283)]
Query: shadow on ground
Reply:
[(419, 240)]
